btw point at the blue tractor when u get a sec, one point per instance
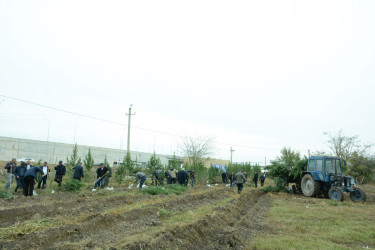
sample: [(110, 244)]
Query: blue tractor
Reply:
[(324, 175)]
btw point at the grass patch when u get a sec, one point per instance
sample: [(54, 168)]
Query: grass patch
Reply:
[(5, 194), (27, 227), (171, 220), (324, 225), (168, 189)]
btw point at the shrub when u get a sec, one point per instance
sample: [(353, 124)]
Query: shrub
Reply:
[(5, 194), (169, 189), (275, 189), (72, 185)]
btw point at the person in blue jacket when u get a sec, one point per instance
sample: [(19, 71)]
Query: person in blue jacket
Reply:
[(29, 180), (10, 167), (20, 173)]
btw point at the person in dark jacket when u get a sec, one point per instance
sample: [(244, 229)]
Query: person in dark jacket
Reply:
[(20, 173), (139, 176), (232, 179), (45, 169), (192, 177), (262, 178), (255, 179), (11, 168), (240, 180), (78, 172), (29, 179), (60, 172), (182, 176), (168, 176), (101, 172), (224, 177), (155, 176)]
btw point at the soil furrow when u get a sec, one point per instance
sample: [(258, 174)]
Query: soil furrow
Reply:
[(230, 227), (108, 222)]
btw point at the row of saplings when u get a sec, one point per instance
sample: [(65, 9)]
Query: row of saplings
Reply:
[(319, 175)]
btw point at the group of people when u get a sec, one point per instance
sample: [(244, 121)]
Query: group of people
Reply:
[(181, 177), (240, 178), (237, 178), (26, 175)]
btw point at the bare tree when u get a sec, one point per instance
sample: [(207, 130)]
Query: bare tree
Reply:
[(344, 146), (197, 149)]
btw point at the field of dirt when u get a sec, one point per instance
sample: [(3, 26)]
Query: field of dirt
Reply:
[(208, 218), (200, 218)]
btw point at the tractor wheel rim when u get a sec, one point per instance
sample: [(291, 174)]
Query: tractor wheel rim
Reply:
[(309, 185), (357, 195), (335, 195)]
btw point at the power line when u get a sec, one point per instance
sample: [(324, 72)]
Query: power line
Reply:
[(123, 124)]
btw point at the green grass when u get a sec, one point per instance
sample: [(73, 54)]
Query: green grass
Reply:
[(323, 225), (5, 194), (28, 227), (168, 189)]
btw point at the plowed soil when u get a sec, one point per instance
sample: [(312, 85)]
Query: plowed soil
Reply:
[(200, 218)]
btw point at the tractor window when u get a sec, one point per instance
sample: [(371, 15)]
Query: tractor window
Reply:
[(338, 167), (329, 166), (319, 165), (311, 165)]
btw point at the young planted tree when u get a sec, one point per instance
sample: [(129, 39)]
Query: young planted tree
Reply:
[(89, 164), (72, 160), (175, 162), (88, 161), (129, 163), (153, 164), (120, 173)]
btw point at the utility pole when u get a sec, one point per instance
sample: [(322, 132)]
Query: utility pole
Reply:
[(129, 116), (231, 151), (265, 161), (49, 124)]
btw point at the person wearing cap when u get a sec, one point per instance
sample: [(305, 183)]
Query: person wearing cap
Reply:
[(101, 172), (45, 169), (60, 172), (11, 168)]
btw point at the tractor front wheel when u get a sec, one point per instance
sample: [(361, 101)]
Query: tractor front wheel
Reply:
[(358, 195), (309, 186), (336, 194)]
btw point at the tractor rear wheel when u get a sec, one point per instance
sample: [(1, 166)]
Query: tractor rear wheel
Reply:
[(358, 195), (336, 194), (309, 186)]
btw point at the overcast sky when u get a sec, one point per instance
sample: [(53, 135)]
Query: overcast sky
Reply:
[(256, 75)]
